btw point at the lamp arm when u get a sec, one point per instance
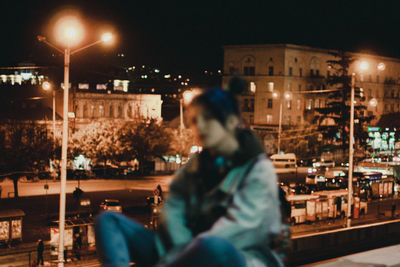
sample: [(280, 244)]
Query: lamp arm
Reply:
[(86, 46), (43, 40)]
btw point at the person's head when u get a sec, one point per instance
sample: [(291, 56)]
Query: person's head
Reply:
[(216, 116)]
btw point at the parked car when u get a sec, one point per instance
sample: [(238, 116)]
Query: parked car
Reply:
[(111, 205)]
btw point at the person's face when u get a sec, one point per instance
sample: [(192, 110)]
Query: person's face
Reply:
[(208, 130)]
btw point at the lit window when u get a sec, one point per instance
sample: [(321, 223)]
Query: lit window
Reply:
[(101, 86), (270, 86), (269, 118), (309, 107), (298, 104), (101, 111), (83, 86), (290, 71), (252, 87)]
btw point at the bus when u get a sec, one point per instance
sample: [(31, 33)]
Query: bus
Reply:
[(287, 160)]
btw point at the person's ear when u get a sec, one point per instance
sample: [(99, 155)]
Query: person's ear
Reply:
[(232, 122)]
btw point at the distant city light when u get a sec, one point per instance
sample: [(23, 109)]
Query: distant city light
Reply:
[(179, 76), (156, 70)]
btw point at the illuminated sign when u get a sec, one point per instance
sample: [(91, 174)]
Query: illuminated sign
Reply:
[(374, 129)]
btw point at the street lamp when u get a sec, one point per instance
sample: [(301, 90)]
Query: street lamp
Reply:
[(47, 86), (187, 97), (287, 96), (70, 33), (363, 66)]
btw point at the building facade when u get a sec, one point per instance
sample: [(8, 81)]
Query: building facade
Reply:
[(295, 76)]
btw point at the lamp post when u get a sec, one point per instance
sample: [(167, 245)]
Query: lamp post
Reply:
[(351, 151), (70, 35), (363, 66), (287, 96)]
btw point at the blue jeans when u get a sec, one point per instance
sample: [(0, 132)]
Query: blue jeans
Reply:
[(119, 240)]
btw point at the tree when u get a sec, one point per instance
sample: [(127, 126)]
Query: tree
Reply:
[(302, 141), (143, 140), (25, 148), (99, 141), (181, 141), (338, 103)]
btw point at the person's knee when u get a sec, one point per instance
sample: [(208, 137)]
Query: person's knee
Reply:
[(215, 246), (105, 220)]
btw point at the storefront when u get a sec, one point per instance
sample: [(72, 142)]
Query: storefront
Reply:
[(11, 225)]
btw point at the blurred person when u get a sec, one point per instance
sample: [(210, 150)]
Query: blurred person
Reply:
[(223, 207), (40, 249)]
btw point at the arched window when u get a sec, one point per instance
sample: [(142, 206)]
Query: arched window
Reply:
[(249, 66)]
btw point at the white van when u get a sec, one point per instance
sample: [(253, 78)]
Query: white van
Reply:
[(287, 160)]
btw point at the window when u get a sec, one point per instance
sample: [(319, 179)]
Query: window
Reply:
[(269, 105), (232, 70), (289, 104), (246, 107), (249, 71), (101, 111), (298, 104), (299, 87), (253, 87), (271, 71), (311, 73), (377, 78), (298, 119), (361, 77), (92, 111), (85, 111), (328, 74), (269, 118), (270, 86), (111, 111), (316, 72), (316, 103), (300, 72), (252, 105), (290, 71), (369, 92), (119, 112), (309, 107)]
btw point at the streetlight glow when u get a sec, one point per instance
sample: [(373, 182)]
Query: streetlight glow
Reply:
[(69, 30), (46, 86), (107, 37), (364, 65), (373, 102), (381, 66)]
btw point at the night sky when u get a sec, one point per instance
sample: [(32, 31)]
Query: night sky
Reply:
[(188, 35)]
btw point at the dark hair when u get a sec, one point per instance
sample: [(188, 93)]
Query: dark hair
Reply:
[(221, 103)]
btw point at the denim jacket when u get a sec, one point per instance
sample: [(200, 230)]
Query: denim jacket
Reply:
[(250, 221)]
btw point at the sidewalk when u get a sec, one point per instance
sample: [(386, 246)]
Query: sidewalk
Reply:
[(25, 253), (387, 256)]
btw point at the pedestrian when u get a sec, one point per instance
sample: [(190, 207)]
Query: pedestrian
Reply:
[(40, 249), (223, 206)]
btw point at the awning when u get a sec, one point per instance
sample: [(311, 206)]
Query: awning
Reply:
[(11, 213)]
